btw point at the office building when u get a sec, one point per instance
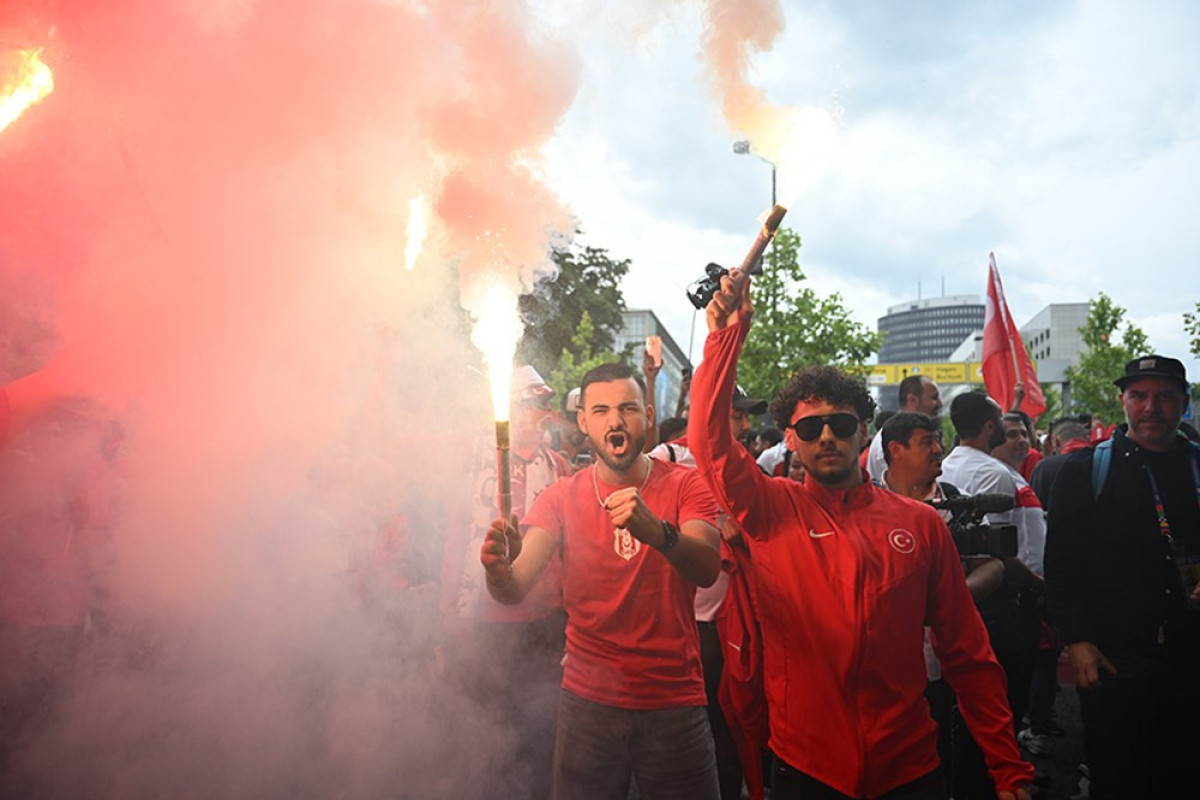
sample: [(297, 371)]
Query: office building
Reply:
[(928, 330), (636, 325)]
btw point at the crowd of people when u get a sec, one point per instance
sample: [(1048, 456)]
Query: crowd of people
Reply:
[(835, 604), (814, 610)]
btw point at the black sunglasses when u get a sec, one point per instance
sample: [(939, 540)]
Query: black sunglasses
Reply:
[(809, 429)]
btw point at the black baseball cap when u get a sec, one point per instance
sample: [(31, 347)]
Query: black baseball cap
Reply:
[(1154, 366), (748, 404)]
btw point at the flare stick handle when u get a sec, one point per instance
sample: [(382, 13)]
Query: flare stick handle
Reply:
[(765, 235), (503, 472)]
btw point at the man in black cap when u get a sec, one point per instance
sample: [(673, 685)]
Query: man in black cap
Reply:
[(1121, 563)]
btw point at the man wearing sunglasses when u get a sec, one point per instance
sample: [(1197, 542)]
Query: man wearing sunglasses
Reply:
[(847, 574)]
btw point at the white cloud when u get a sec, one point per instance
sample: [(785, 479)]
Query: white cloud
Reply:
[(1063, 136)]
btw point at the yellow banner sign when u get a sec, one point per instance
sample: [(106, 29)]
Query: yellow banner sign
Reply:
[(881, 374), (944, 372)]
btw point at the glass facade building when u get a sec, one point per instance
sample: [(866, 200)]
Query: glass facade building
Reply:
[(928, 330)]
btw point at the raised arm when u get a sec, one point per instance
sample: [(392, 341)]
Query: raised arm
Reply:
[(650, 370), (729, 471)]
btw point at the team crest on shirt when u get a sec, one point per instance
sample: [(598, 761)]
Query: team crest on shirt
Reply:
[(902, 541), (624, 544)]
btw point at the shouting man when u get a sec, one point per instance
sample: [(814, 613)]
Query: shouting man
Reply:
[(635, 537)]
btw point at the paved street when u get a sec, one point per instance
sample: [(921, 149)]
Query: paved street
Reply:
[(1060, 767)]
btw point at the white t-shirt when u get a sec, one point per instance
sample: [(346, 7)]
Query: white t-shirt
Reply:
[(772, 457), (876, 463)]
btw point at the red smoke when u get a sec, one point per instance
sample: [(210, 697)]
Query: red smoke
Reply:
[(203, 231)]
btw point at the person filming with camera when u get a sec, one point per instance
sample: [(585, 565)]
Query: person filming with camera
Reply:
[(851, 573)]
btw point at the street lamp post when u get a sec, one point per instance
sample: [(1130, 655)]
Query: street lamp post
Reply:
[(744, 148)]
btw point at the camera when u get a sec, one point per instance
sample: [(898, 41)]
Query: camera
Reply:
[(971, 538), (701, 292)]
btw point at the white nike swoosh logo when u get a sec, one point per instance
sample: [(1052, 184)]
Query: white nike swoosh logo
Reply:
[(816, 535)]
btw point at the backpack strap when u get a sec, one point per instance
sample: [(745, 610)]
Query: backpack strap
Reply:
[(1101, 461), (671, 453)]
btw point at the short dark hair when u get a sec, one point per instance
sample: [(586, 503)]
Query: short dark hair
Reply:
[(771, 435), (970, 411), (881, 419), (899, 428), (606, 373), (671, 427), (1018, 416), (1069, 430), (822, 383), (911, 385)]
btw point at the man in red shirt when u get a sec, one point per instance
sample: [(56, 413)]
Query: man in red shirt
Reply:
[(634, 538), (847, 576)]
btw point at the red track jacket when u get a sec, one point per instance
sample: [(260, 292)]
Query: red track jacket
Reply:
[(845, 582)]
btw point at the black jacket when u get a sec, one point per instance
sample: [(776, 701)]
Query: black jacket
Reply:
[(1110, 576)]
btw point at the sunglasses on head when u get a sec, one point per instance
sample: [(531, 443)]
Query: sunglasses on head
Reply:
[(842, 424)]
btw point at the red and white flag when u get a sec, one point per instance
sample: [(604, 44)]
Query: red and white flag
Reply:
[(1005, 360)]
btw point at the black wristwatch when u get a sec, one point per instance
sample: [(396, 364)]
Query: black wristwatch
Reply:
[(670, 537)]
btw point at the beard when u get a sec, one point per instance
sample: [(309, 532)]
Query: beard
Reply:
[(831, 472), (999, 437), (619, 450)]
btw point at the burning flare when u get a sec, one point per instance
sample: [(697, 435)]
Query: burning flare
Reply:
[(798, 141), (24, 81), (416, 232), (497, 329)]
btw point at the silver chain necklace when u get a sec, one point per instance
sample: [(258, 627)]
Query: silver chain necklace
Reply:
[(596, 482)]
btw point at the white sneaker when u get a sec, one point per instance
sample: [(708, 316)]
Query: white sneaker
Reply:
[(1035, 743)]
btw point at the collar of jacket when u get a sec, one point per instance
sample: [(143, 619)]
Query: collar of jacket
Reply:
[(838, 500), (1123, 444)]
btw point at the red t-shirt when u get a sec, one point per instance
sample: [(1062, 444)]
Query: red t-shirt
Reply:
[(631, 631), (1028, 463)]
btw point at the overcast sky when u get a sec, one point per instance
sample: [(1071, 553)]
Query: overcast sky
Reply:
[(1064, 136)]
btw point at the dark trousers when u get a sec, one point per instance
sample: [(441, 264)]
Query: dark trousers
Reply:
[(600, 748), (1141, 730), (789, 783), (1013, 628), (1043, 686), (940, 697), (729, 768)]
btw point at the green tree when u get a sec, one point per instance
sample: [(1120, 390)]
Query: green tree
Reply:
[(1191, 326), (1104, 360), (576, 360), (587, 281), (795, 327)]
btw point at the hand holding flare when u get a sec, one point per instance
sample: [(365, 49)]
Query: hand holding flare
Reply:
[(731, 302)]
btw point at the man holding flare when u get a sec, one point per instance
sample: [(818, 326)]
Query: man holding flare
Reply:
[(848, 574), (634, 537)]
